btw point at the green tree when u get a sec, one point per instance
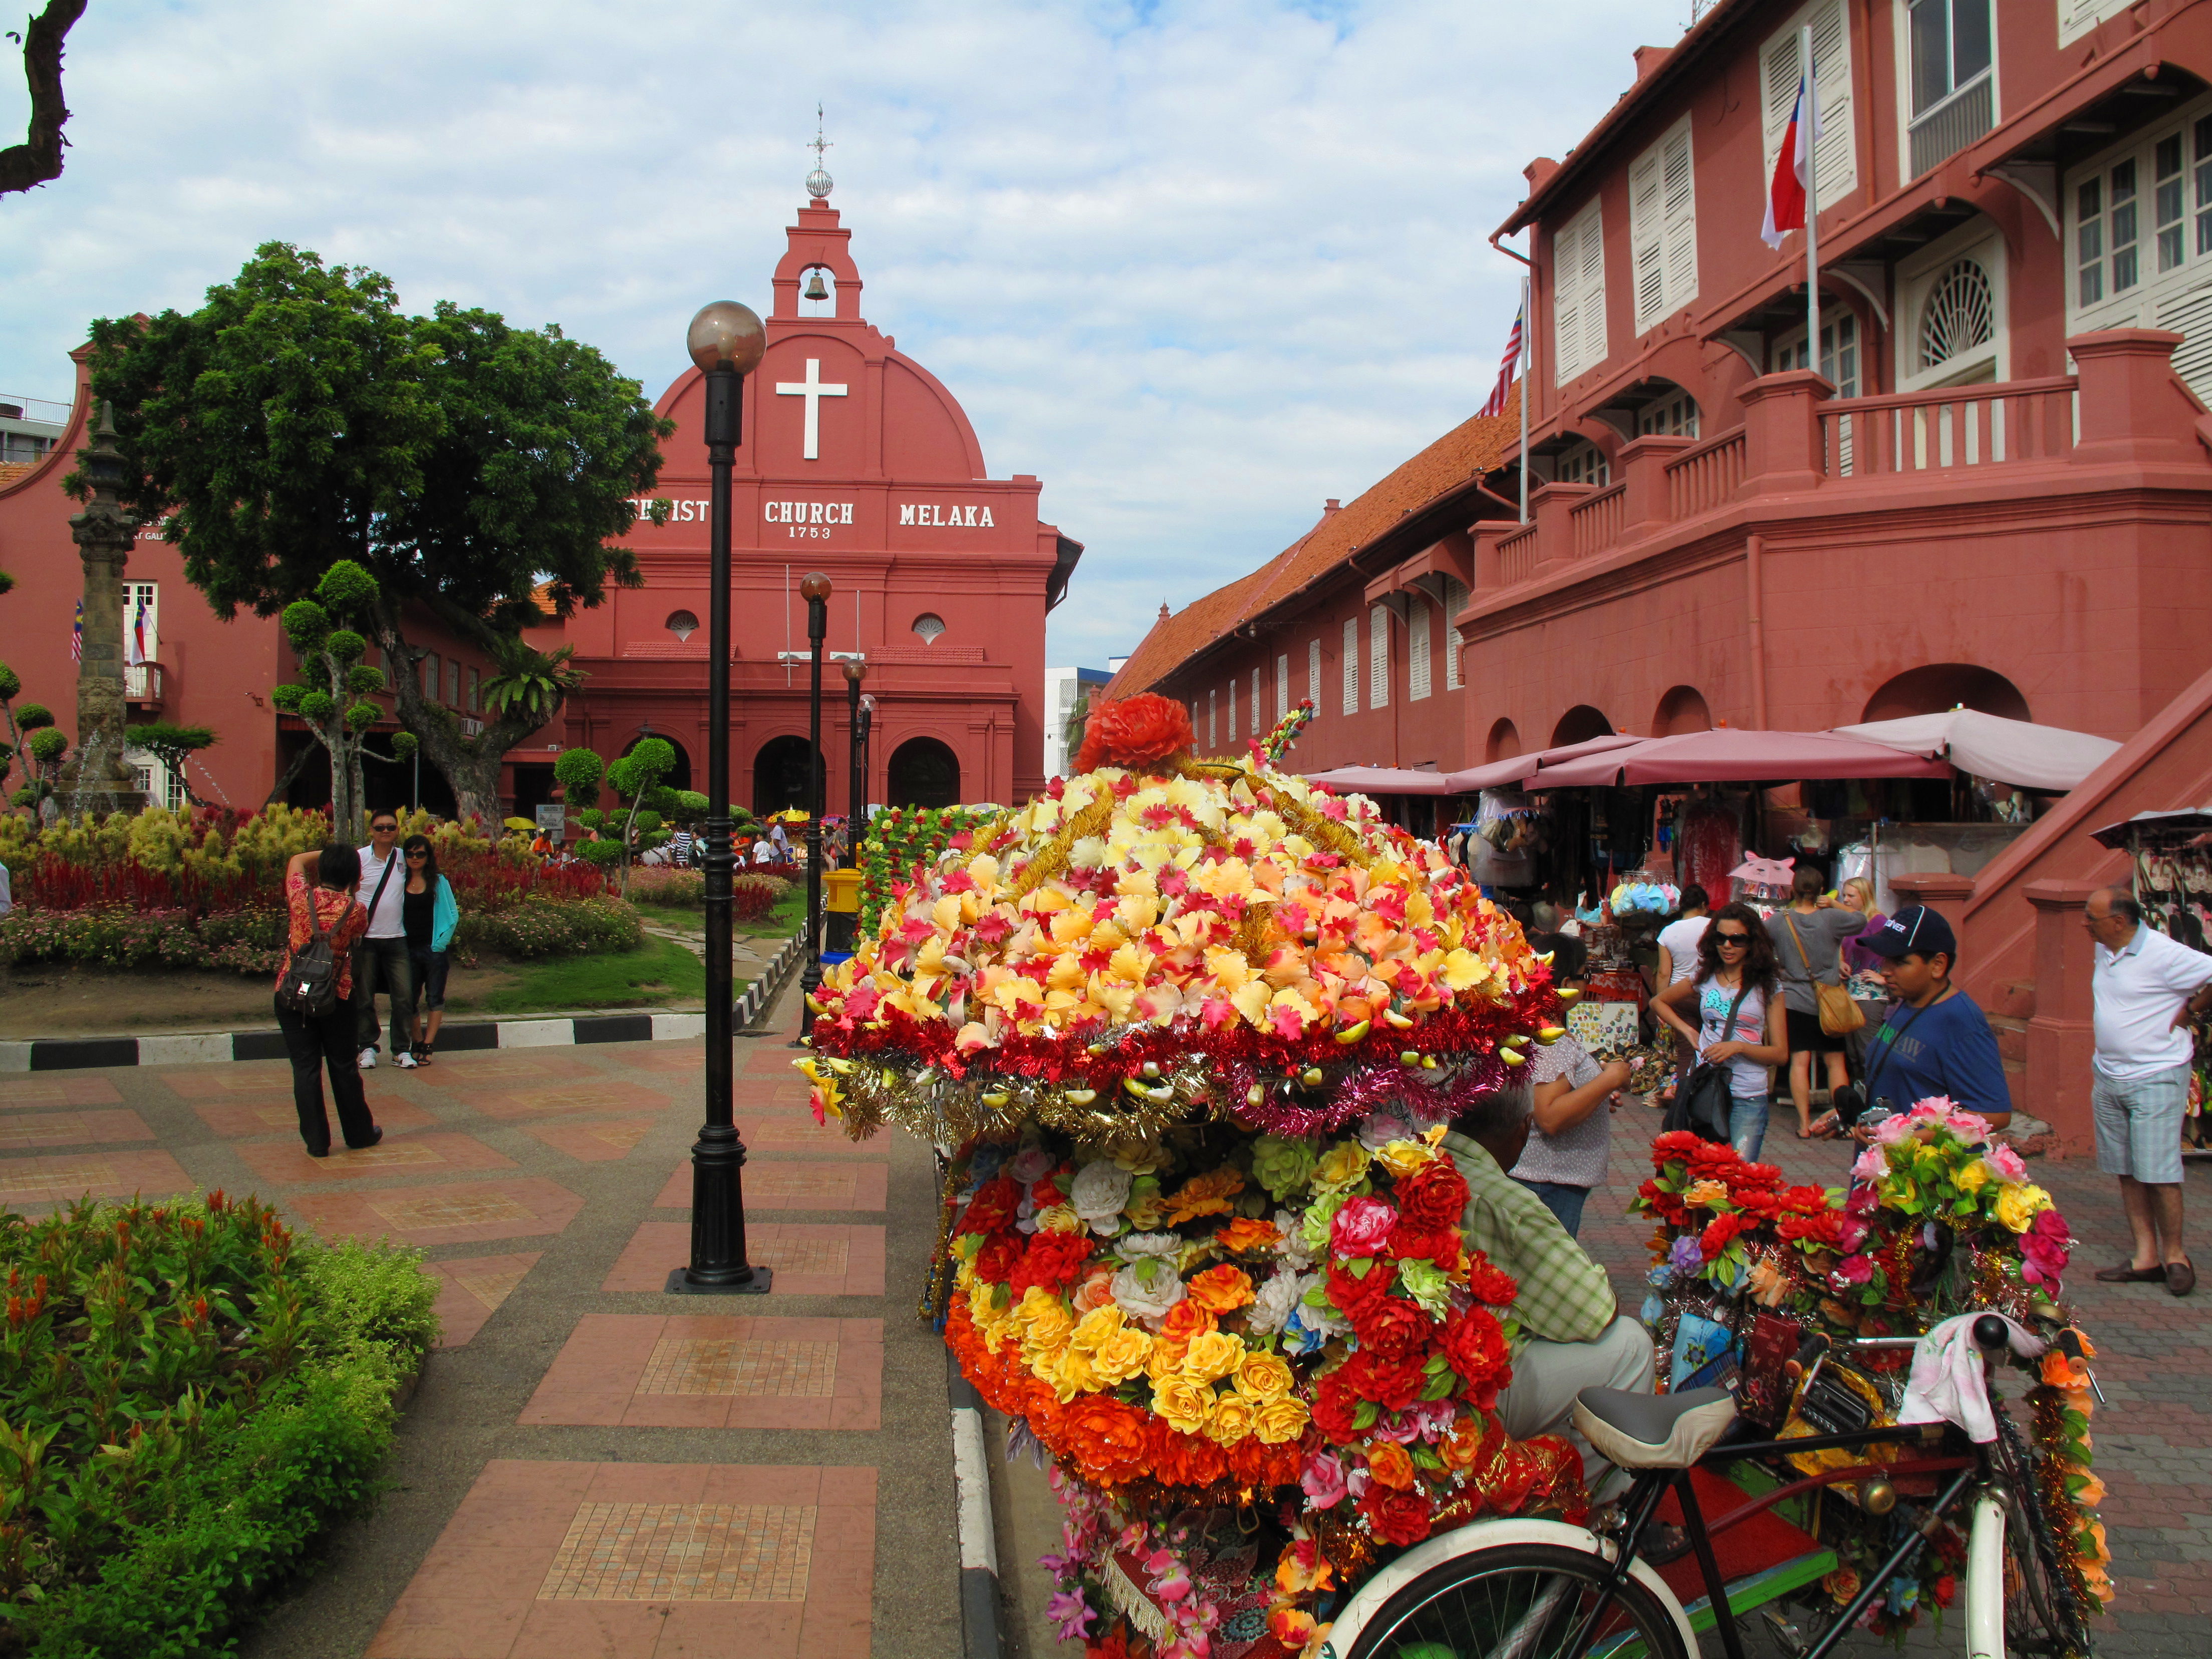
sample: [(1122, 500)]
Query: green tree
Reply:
[(641, 822), (172, 746), (467, 465), (336, 692)]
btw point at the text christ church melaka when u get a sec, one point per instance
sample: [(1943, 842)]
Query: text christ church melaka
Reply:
[(858, 463)]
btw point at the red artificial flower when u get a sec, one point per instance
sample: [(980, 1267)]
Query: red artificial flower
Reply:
[(1398, 1517), (1475, 1346), (1432, 1198), (1719, 1232), (1136, 732), (1335, 1407), (1490, 1283), (996, 1260), (993, 1208), (1441, 1245), (1055, 1261), (1349, 1292), (1109, 1435), (1116, 1645), (1390, 1326)]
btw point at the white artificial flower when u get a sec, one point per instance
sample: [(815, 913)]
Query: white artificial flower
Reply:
[(1291, 1247), (1100, 1190), (1161, 1243), (1032, 1162), (1271, 1308), (1149, 1302)]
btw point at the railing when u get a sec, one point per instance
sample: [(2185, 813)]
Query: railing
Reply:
[(1949, 127), (142, 681), (1517, 556), (1701, 479), (1981, 425), (1598, 521)]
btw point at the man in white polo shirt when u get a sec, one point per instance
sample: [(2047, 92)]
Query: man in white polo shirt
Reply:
[(383, 964), (2148, 988)]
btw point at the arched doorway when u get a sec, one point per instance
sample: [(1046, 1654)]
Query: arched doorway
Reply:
[(923, 772), (1579, 725), (1504, 742), (780, 776), (1682, 709), (1943, 685), (679, 775)]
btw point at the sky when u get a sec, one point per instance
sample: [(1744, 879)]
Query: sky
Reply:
[(1196, 266)]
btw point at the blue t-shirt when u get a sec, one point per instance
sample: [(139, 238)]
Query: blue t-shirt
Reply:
[(1945, 1048)]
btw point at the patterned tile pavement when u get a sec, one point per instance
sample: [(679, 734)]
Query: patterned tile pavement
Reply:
[(238, 1120), (35, 1185), (597, 1141), (792, 1186), (810, 1258), (471, 1289), (715, 1371), (458, 1213), (287, 1163), (567, 1095), (73, 1129), (58, 1089)]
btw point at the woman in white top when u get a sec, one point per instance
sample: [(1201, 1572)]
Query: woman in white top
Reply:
[(1734, 980)]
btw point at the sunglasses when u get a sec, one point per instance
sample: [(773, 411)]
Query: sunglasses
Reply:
[(1737, 940), (382, 829), (418, 855)]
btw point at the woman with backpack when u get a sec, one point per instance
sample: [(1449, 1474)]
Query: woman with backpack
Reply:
[(429, 916), (1734, 990), (315, 993)]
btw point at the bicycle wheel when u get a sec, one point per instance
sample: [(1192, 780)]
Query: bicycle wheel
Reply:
[(2039, 1612), (1517, 1602)]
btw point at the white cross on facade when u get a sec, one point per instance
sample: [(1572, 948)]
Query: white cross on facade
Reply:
[(812, 389)]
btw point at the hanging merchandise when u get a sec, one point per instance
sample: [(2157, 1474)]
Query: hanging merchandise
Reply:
[(2174, 885), (1508, 831), (1708, 840), (1763, 884)]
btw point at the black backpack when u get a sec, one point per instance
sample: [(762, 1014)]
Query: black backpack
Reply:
[(310, 985)]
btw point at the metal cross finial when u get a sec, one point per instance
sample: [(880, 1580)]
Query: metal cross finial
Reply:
[(820, 144), (818, 182)]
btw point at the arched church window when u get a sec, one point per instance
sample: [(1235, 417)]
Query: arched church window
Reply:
[(1960, 314), (929, 625), (683, 625)]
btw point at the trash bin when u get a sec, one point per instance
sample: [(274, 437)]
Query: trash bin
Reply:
[(841, 907)]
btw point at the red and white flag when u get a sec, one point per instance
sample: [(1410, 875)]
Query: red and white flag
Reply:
[(1793, 172), (135, 653), (1508, 367)]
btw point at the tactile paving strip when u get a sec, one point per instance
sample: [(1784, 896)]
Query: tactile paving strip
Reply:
[(683, 1552)]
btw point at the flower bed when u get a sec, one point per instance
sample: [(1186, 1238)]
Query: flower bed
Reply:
[(545, 927), (189, 1396), (751, 896)]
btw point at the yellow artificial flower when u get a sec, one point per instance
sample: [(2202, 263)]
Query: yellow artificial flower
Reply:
[(1341, 1165), (1097, 1327), (1280, 1421), (1250, 1000), (1402, 1157), (1263, 1376), (1211, 1356), (1181, 1403), (1163, 1360), (1463, 971), (2020, 1203), (1069, 1373), (1972, 1178), (1231, 1421), (1289, 999), (1059, 1219), (1046, 1322), (1121, 1356)]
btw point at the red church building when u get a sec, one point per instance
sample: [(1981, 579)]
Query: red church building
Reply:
[(856, 462)]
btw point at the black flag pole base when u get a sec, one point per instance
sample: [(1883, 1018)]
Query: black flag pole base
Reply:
[(680, 1283)]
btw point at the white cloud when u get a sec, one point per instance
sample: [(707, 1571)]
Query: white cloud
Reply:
[(1196, 266)]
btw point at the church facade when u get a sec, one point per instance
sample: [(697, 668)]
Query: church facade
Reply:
[(858, 463)]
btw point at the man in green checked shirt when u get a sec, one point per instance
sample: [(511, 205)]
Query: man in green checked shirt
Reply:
[(1573, 1335)]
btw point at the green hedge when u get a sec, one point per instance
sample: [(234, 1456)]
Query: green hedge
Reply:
[(250, 941), (543, 927)]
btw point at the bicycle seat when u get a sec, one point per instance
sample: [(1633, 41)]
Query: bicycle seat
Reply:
[(1653, 1430)]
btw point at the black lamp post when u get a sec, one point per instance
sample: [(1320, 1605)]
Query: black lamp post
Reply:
[(856, 670), (816, 590), (867, 732), (726, 342)]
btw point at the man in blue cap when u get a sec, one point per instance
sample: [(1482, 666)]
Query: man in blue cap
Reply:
[(1936, 1040)]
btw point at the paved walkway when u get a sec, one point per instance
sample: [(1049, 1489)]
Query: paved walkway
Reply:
[(590, 1467)]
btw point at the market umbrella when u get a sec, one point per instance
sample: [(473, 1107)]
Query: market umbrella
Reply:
[(1730, 755), (1499, 774), (1990, 746), (2116, 836), (1382, 781)]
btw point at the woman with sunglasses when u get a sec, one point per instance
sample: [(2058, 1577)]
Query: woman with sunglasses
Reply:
[(1735, 977), (429, 916)]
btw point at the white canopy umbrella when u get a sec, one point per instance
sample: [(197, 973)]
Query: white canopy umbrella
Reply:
[(2018, 752)]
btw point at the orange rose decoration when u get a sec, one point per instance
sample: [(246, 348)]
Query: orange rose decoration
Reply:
[(1135, 732)]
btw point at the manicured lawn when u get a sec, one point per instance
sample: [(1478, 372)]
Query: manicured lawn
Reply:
[(789, 917), (659, 974), (672, 915)]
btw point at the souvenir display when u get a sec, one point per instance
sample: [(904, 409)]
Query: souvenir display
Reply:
[(1937, 1222), (1195, 1030)]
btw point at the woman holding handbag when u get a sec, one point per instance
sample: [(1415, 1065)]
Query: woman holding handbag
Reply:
[(1808, 935), (324, 914), (1738, 1043)]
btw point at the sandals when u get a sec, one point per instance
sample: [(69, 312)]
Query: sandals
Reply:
[(421, 1052)]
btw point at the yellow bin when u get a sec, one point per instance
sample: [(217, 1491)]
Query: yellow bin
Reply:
[(840, 890)]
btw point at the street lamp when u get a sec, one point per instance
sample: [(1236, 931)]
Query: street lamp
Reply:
[(726, 342), (856, 670), (816, 590)]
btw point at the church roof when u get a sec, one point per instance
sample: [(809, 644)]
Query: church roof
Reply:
[(1470, 450)]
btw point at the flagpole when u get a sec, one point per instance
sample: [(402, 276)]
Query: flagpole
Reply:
[(1809, 139), (1527, 338)]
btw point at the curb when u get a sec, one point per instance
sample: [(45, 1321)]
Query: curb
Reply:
[(770, 980), (980, 1625), (69, 1054)]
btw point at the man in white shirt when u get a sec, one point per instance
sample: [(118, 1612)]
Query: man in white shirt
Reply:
[(2148, 988), (384, 961), (763, 852)]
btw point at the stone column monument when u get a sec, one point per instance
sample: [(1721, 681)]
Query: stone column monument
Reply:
[(95, 778)]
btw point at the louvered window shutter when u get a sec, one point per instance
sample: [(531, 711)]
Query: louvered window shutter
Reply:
[(1282, 685), (1681, 200), (1313, 673), (1455, 602), (1212, 712), (1647, 239), (1593, 301), (1836, 153), (1378, 657), (1419, 651), (1351, 665), (1258, 719)]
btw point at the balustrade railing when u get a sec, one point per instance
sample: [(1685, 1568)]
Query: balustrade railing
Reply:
[(1598, 520), (1982, 425), (1517, 556), (1701, 479)]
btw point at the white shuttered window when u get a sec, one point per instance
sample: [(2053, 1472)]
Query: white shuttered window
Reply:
[(1378, 657), (1455, 602), (1835, 157), (1213, 711), (1313, 673), (1351, 665), (1578, 294), (1420, 652), (1282, 685), (1663, 227), (1232, 711), (1258, 719)]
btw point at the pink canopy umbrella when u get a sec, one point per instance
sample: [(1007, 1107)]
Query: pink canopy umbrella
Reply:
[(1382, 781), (1728, 755), (1506, 774)]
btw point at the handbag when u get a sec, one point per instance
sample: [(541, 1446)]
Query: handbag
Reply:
[(1702, 1103), (361, 945), (1839, 1014), (310, 985)]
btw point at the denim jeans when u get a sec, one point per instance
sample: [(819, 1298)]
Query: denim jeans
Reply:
[(384, 966), (1747, 1125), (1562, 1200)]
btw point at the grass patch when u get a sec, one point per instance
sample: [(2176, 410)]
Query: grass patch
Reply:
[(672, 915), (659, 973), (789, 917)]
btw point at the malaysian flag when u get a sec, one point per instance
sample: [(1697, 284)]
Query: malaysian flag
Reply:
[(76, 634), (1506, 368)]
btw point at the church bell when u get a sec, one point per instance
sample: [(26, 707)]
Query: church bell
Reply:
[(815, 290)]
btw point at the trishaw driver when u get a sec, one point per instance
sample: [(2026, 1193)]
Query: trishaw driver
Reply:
[(1573, 1335)]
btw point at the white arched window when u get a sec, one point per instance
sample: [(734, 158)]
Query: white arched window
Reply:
[(1952, 330)]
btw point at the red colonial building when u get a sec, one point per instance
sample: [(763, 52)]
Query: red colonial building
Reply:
[(1988, 484), (859, 463)]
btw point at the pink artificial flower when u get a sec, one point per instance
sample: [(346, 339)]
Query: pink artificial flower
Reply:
[(1862, 1201), (1853, 1270), (1891, 1130), (2048, 1224), (1170, 1583), (2008, 1163), (1852, 1233), (1323, 1480), (1970, 1126), (1362, 1227), (1873, 1165)]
